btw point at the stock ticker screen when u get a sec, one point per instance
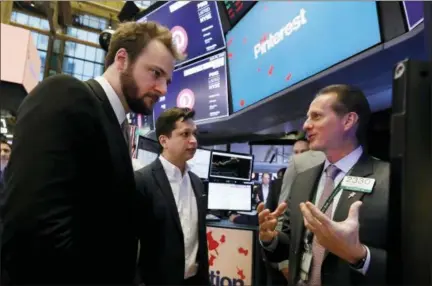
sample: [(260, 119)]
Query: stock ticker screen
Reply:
[(231, 166), (237, 9), (195, 25), (280, 43), (201, 86)]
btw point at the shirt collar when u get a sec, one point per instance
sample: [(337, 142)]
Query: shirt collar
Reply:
[(346, 163), (170, 169), (113, 98)]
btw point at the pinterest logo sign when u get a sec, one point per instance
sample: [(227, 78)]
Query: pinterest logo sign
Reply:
[(180, 38), (186, 98)]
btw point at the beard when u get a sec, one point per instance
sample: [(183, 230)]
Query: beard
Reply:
[(133, 99)]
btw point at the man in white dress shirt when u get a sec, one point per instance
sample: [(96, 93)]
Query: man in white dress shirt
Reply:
[(327, 238), (172, 208)]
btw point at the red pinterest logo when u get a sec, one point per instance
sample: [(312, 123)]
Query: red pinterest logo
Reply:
[(186, 98)]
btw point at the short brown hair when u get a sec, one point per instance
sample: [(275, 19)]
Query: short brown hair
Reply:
[(166, 122), (351, 99), (134, 37)]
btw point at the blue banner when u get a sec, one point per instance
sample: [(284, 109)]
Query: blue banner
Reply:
[(278, 44)]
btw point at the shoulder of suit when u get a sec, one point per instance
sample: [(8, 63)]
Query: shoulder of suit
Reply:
[(380, 164), (64, 80), (308, 160), (143, 178), (144, 170), (63, 85)]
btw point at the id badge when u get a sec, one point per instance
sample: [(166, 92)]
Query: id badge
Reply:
[(305, 266)]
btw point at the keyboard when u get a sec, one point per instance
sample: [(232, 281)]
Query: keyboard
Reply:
[(211, 217)]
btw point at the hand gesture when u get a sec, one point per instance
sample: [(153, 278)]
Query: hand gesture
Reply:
[(268, 220), (340, 238)]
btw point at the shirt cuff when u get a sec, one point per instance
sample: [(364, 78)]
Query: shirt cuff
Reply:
[(365, 267), (270, 246)]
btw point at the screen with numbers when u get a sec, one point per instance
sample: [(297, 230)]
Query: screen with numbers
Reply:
[(237, 9), (201, 86), (195, 25)]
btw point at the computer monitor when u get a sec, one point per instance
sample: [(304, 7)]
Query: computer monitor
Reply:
[(231, 166), (229, 197), (147, 150), (200, 163)]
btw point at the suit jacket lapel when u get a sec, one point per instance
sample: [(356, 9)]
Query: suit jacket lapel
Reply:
[(198, 193), (306, 182), (112, 130), (363, 168), (165, 187), (110, 114), (198, 198)]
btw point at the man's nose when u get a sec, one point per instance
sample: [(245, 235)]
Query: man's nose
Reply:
[(193, 140), (307, 125), (162, 88)]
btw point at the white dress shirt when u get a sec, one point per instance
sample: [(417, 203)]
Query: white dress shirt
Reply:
[(184, 197), (345, 165), (265, 192), (113, 98)]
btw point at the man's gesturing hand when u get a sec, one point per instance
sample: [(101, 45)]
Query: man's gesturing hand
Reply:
[(268, 221)]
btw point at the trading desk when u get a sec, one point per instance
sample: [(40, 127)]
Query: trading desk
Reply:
[(234, 253)]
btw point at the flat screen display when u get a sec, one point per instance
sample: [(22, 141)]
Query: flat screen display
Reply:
[(237, 9), (231, 166), (146, 157), (200, 163), (414, 13), (147, 150), (195, 25), (201, 86), (232, 197), (280, 43)]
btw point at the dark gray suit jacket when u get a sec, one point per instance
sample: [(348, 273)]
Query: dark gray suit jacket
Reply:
[(373, 225), (162, 254)]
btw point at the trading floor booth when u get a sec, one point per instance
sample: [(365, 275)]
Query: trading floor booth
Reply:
[(234, 251)]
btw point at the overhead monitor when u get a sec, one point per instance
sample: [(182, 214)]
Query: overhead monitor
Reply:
[(414, 13), (280, 43), (200, 163), (237, 9), (201, 86), (147, 150), (195, 25), (231, 166), (233, 197)]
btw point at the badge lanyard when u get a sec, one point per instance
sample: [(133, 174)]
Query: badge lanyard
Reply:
[(309, 235), (307, 256)]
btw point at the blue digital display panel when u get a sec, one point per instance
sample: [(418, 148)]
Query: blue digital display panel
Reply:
[(414, 13), (201, 86), (280, 43), (195, 25)]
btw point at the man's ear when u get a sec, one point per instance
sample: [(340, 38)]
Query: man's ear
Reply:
[(350, 120), (163, 140), (121, 59)]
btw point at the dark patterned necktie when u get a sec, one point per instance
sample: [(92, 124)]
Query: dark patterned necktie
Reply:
[(126, 129), (317, 250)]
